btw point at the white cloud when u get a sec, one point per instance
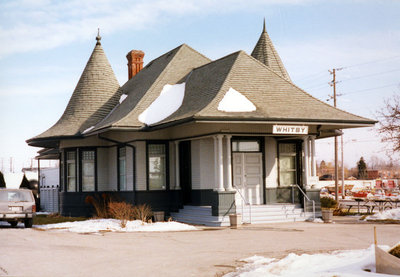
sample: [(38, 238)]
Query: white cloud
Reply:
[(39, 25)]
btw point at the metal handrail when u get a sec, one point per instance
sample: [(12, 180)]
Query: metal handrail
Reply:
[(244, 203), (307, 198)]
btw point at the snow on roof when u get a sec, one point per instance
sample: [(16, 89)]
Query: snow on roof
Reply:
[(88, 129), (122, 98), (234, 101), (169, 100)]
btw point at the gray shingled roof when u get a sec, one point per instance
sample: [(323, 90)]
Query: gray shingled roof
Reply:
[(275, 97), (261, 78), (145, 87), (93, 98), (265, 52)]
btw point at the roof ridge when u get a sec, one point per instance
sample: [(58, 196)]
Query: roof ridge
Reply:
[(264, 48), (194, 50), (227, 77), (302, 90), (154, 84), (214, 61)]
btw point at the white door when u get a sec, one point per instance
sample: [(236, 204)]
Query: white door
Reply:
[(247, 176)]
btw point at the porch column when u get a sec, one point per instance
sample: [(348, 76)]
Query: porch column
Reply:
[(177, 179), (215, 163), (305, 143), (229, 163), (313, 161), (220, 165)]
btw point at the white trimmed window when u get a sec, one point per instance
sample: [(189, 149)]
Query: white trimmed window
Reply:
[(156, 165), (287, 164), (88, 170), (71, 171), (122, 168)]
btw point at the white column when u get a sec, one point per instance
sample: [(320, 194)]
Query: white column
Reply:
[(313, 161), (305, 140), (220, 164), (228, 163), (177, 177), (309, 157), (215, 163)]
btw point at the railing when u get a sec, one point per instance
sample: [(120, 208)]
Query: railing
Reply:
[(305, 198), (244, 202)]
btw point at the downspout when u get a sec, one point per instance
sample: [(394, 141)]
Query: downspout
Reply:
[(133, 163)]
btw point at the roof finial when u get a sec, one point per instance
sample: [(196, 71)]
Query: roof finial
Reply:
[(98, 38), (264, 30)]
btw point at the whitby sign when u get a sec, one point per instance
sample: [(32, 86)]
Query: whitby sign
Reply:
[(290, 130)]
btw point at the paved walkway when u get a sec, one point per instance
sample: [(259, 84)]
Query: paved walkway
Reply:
[(210, 252)]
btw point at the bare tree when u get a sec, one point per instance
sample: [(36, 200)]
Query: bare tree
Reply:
[(389, 124)]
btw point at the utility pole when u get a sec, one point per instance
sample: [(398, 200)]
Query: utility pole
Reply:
[(333, 84), (343, 191)]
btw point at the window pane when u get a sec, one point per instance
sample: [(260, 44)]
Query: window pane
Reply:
[(122, 151), (287, 178), (156, 166), (287, 148), (71, 184), (287, 163), (122, 173), (88, 171), (71, 171), (246, 146)]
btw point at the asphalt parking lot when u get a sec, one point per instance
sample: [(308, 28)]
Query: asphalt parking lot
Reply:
[(208, 252)]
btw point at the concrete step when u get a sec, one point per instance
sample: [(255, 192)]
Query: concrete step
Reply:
[(259, 214)]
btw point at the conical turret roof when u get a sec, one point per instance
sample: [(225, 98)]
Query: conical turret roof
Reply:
[(265, 52), (96, 93)]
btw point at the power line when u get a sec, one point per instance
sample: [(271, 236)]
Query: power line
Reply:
[(362, 90), (371, 62), (370, 75)]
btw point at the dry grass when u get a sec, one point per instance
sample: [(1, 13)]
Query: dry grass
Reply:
[(143, 212), (55, 218), (122, 211), (100, 204)]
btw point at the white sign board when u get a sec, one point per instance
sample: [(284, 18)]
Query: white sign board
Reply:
[(290, 130)]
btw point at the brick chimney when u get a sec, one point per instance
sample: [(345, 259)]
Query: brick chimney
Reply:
[(135, 62)]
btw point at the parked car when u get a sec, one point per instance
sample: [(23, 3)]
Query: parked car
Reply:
[(17, 205)]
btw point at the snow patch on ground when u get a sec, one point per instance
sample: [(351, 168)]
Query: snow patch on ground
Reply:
[(168, 102), (234, 101), (122, 98), (339, 263), (388, 214), (315, 220), (113, 225)]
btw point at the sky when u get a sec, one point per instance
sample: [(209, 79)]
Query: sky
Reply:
[(44, 47)]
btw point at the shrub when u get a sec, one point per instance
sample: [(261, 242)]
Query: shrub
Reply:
[(143, 212), (122, 211), (328, 203), (100, 204), (395, 251)]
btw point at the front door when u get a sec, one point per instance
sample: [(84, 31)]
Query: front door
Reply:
[(247, 176), (185, 171)]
